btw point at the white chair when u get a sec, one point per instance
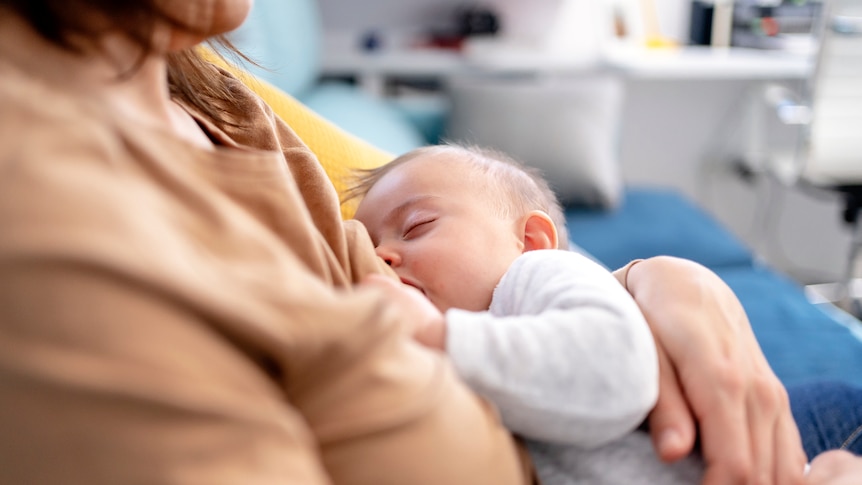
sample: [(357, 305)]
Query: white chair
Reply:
[(828, 114)]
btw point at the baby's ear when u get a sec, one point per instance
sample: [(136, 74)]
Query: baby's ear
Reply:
[(539, 231)]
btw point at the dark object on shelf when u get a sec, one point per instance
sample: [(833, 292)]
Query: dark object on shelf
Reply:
[(475, 20), (700, 29), (773, 27), (756, 26), (466, 21), (371, 41)]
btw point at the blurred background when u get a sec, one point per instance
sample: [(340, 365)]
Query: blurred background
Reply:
[(689, 73), (601, 95)]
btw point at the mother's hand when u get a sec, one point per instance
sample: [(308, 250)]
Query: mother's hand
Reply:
[(713, 378)]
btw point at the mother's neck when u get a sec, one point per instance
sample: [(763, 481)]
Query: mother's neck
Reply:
[(114, 74)]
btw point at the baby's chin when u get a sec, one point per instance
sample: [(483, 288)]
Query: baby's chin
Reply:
[(444, 306), (440, 305)]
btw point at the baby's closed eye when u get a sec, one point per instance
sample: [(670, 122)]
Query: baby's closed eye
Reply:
[(416, 229)]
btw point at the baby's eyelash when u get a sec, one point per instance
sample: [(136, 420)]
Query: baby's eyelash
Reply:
[(412, 227)]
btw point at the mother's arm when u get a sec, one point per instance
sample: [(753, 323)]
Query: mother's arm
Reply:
[(713, 377)]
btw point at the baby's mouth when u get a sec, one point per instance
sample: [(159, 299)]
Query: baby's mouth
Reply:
[(414, 285)]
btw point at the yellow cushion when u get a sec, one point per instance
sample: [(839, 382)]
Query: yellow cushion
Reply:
[(337, 150)]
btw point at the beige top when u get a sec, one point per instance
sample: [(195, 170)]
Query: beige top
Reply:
[(170, 314)]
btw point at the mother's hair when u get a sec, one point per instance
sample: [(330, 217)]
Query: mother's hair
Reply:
[(73, 24)]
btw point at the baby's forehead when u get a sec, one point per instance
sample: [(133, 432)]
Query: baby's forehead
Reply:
[(452, 165), (474, 176)]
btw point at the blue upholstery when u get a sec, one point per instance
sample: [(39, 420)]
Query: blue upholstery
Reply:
[(653, 222), (284, 37), (801, 341)]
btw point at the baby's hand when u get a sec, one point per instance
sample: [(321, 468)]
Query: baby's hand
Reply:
[(836, 467), (429, 325)]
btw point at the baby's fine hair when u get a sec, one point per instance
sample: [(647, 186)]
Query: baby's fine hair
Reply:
[(517, 188)]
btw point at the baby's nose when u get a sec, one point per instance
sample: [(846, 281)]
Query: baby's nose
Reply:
[(388, 255)]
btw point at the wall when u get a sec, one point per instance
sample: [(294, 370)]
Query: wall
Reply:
[(685, 133)]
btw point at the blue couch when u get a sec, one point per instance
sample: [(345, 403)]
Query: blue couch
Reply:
[(802, 341)]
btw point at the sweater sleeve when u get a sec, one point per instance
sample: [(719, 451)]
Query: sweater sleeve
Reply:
[(563, 352)]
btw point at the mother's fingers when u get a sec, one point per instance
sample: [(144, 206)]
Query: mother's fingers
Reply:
[(747, 431), (720, 403), (763, 417), (671, 423), (791, 459)]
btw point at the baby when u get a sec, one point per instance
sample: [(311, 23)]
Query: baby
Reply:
[(550, 337)]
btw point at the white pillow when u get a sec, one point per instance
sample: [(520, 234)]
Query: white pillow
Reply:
[(565, 125)]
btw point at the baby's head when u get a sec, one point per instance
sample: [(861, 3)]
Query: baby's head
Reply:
[(450, 220)]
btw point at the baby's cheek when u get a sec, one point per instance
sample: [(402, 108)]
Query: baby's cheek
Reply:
[(440, 283)]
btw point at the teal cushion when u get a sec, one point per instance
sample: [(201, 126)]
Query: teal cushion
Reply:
[(283, 36), (428, 114), (365, 116)]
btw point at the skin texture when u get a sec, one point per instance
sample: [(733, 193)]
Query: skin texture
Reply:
[(143, 95), (430, 221), (204, 18), (429, 325), (835, 468)]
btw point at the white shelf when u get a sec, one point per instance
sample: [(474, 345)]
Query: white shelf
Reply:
[(702, 62), (372, 69), (391, 62)]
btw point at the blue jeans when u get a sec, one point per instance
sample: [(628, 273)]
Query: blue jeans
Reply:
[(829, 416)]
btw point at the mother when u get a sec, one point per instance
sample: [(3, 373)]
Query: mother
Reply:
[(178, 300)]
